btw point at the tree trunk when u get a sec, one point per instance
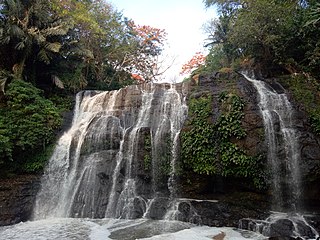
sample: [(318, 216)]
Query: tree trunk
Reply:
[(18, 68)]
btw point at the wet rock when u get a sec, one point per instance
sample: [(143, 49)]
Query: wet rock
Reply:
[(280, 228), (17, 196), (139, 207), (158, 208), (102, 146)]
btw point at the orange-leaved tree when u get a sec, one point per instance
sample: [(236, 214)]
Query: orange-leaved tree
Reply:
[(195, 62), (149, 41)]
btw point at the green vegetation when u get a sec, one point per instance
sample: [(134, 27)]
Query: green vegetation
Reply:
[(75, 44), (306, 91), (27, 126), (198, 146), (208, 147), (271, 36), (165, 159), (147, 158)]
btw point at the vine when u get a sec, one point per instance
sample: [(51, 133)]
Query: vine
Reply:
[(207, 146), (198, 146)]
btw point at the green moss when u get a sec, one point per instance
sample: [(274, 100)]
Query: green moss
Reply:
[(37, 162)]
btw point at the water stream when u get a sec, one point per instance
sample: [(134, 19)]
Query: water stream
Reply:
[(283, 150), (283, 156)]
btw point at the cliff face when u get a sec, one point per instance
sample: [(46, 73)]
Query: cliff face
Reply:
[(254, 142), (235, 198)]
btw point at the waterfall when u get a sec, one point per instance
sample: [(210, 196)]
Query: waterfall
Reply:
[(283, 158), (283, 148), (103, 165)]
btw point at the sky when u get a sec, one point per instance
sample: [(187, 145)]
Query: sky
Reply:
[(183, 21)]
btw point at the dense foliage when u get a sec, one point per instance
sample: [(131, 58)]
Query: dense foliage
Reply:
[(207, 146), (270, 35), (27, 125), (306, 92), (75, 44)]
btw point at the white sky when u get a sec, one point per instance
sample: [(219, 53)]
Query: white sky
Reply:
[(182, 20)]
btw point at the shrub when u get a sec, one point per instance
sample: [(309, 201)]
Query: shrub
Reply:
[(27, 124)]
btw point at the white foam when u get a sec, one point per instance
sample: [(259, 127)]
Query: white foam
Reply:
[(203, 233)]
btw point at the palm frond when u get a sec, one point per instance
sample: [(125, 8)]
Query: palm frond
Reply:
[(14, 7), (53, 47), (83, 52), (43, 56), (4, 38), (60, 30), (4, 79), (39, 38), (20, 45), (314, 15)]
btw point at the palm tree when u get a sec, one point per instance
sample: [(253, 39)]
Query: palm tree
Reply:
[(31, 30)]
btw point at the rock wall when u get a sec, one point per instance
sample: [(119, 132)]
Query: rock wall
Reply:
[(17, 195)]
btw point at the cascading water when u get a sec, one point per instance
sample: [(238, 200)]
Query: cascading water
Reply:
[(283, 149), (101, 166), (283, 157)]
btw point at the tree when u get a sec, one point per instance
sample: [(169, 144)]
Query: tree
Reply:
[(273, 34), (259, 26), (225, 4), (195, 62), (149, 43), (29, 30), (77, 44), (218, 34)]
